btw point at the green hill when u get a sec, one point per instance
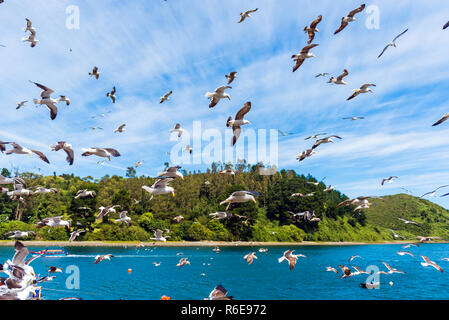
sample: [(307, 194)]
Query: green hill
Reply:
[(200, 194)]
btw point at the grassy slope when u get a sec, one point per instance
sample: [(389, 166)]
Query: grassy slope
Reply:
[(433, 220)]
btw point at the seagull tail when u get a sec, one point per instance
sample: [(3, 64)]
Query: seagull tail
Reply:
[(37, 101)]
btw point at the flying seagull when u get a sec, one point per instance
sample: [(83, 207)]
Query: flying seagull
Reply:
[(390, 269), (160, 187), (106, 210), (432, 193), (166, 97), (158, 236), (291, 258), (408, 222), (250, 257), (171, 172), (18, 149), (305, 154), (219, 293), (349, 18), (75, 234), (221, 215), (238, 121), (315, 136), (322, 74), (444, 118), (312, 29), (112, 94), (47, 100), (391, 44), (120, 129), (124, 218), (101, 152), (427, 262), (217, 95), (95, 73), (178, 129), (29, 26), (17, 234), (240, 197), (100, 258), (363, 89), (64, 99), (31, 39), (353, 118), (67, 148), (20, 104), (246, 14), (53, 222), (183, 262), (83, 194), (389, 180), (339, 79), (303, 55), (325, 140), (231, 76)]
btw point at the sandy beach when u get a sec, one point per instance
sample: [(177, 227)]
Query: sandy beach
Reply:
[(193, 243)]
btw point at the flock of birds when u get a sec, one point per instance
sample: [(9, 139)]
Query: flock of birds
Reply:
[(161, 185)]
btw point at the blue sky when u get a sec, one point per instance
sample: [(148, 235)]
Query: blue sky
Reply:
[(146, 48)]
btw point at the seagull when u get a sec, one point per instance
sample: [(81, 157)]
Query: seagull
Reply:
[(157, 264), (42, 190), (64, 99), (391, 270), (120, 129), (363, 89), (18, 149), (219, 293), (409, 245), (221, 215), (20, 234), (31, 39), (75, 234), (396, 235), (105, 210), (312, 29), (4, 180), (112, 94), (359, 271), (408, 222), (425, 239), (427, 263), (265, 250), (20, 104), (231, 76), (178, 129), (346, 272), (330, 269), (250, 257), (349, 18), (138, 164), (171, 172), (100, 258), (158, 236), (353, 257), (246, 14), (444, 118), (124, 218), (391, 44), (284, 133), (101, 152), (356, 201), (305, 154), (389, 180), (238, 122), (240, 197), (67, 148), (95, 128), (53, 269), (166, 97), (432, 193), (178, 219), (188, 148), (325, 140), (95, 73), (228, 171), (183, 262), (217, 95), (47, 100), (353, 118), (160, 187), (290, 257), (82, 194), (29, 26), (402, 253), (53, 222), (303, 55), (315, 136), (339, 79)]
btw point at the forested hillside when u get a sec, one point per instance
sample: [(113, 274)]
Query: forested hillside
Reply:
[(199, 194)]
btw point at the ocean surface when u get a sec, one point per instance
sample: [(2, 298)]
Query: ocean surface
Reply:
[(265, 279)]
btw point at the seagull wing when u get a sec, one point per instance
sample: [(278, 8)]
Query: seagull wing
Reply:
[(237, 131), (307, 48), (113, 152), (243, 111), (41, 156), (444, 118), (383, 51), (342, 26), (20, 255), (355, 11), (399, 35), (344, 74)]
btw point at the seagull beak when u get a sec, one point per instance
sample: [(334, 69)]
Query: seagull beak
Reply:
[(173, 194)]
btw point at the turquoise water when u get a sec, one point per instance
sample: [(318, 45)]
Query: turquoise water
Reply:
[(265, 279)]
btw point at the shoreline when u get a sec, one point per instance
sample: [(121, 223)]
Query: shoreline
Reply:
[(7, 243)]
